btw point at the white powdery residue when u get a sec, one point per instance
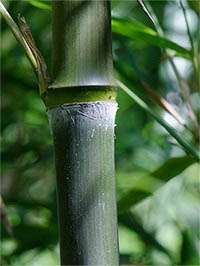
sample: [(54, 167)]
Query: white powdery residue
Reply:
[(93, 131)]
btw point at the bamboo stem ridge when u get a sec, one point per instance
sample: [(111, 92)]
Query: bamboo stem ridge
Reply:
[(84, 151)]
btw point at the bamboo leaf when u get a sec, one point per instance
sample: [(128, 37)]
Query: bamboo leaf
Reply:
[(40, 4), (184, 88), (131, 221), (189, 251), (146, 7), (173, 167), (170, 169), (131, 198), (138, 31)]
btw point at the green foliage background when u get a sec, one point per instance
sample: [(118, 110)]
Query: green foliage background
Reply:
[(158, 185)]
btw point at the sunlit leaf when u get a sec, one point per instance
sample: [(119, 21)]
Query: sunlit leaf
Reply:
[(188, 147), (142, 188), (173, 167), (137, 31), (131, 221), (129, 241), (40, 4), (132, 197)]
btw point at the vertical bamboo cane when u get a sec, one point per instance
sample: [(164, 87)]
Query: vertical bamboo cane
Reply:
[(81, 107)]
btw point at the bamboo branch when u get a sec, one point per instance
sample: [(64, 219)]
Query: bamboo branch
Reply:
[(150, 14), (18, 35), (191, 43), (42, 73), (153, 95), (163, 103), (24, 37), (184, 144), (187, 25), (146, 7)]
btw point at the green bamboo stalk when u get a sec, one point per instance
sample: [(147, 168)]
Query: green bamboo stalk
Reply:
[(84, 153), (82, 60), (81, 108)]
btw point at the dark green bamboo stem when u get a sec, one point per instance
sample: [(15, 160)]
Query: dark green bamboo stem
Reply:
[(82, 60), (84, 152), (81, 106), (83, 54)]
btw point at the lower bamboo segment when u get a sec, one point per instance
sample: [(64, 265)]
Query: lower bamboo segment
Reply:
[(84, 152)]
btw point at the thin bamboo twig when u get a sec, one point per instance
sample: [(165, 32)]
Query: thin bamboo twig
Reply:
[(163, 103), (23, 35), (186, 146), (191, 42), (42, 73), (4, 218), (149, 12), (187, 25), (154, 96), (184, 88), (185, 94), (18, 35)]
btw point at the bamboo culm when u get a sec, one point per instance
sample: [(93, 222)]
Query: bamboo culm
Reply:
[(84, 151), (81, 107)]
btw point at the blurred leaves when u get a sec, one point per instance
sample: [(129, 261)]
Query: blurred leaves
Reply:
[(41, 4), (4, 218), (188, 147), (172, 168), (194, 5), (140, 188), (129, 199), (33, 227), (136, 31), (132, 222), (189, 252), (158, 220)]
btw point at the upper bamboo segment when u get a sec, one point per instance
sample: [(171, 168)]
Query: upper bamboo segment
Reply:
[(81, 44)]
